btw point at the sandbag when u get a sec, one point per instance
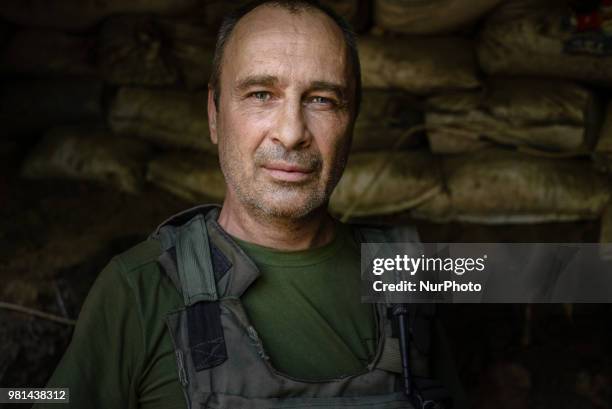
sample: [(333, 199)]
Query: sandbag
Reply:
[(547, 115), (419, 65), (31, 106), (384, 183), (605, 235), (167, 118), (216, 10), (528, 38), (76, 15), (49, 53), (429, 17), (501, 186), (152, 51), (134, 51), (89, 154), (356, 12), (194, 177), (384, 119), (192, 47), (603, 151)]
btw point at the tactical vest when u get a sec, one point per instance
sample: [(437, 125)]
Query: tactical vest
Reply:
[(222, 362)]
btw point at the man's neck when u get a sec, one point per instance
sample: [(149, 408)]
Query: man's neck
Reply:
[(315, 230)]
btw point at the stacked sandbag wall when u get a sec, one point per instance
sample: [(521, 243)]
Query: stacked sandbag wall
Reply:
[(483, 111), (515, 97)]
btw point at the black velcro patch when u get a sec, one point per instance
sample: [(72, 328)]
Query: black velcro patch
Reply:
[(206, 339), (220, 263)]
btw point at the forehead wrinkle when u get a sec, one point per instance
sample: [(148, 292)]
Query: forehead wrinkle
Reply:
[(289, 57), (277, 42)]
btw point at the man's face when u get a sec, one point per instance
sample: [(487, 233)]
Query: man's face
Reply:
[(284, 119)]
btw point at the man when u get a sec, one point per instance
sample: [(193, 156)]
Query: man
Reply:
[(255, 304)]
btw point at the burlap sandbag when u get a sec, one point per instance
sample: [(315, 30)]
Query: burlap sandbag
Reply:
[(527, 38), (86, 154), (605, 234), (356, 12), (429, 17), (419, 65), (49, 53), (147, 50), (547, 115), (31, 106), (165, 117), (192, 46), (380, 183), (75, 15), (192, 176), (134, 50), (501, 186), (384, 119), (603, 150)]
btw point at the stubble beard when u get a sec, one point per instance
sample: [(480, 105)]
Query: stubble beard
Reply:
[(278, 199)]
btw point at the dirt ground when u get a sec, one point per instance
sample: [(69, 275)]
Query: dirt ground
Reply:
[(56, 236)]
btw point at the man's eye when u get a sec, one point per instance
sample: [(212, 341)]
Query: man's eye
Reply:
[(322, 101), (261, 95)]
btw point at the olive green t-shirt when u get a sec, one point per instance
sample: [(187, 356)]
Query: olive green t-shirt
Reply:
[(305, 306)]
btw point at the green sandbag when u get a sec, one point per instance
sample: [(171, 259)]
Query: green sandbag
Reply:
[(89, 154), (500, 186), (384, 120), (168, 118), (532, 38), (32, 106), (419, 65), (49, 53), (194, 177), (384, 183), (429, 17), (549, 115)]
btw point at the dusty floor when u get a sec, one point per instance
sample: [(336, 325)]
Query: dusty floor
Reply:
[(58, 235)]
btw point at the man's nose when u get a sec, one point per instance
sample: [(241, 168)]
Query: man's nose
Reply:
[(291, 129)]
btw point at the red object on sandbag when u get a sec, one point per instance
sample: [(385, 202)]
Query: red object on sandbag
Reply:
[(588, 22)]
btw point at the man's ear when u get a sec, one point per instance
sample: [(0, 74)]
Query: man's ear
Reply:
[(212, 115)]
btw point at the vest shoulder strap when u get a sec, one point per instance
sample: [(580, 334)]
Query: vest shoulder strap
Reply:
[(187, 257)]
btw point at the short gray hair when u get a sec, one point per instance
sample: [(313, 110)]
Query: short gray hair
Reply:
[(294, 7)]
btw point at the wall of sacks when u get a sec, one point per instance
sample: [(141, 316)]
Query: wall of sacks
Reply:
[(487, 111)]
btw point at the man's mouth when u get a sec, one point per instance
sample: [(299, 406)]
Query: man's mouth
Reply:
[(288, 172)]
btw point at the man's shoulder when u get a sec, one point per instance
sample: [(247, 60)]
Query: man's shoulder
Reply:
[(143, 254), (138, 276)]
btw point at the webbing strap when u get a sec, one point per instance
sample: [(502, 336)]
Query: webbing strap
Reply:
[(194, 262), (390, 358)]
